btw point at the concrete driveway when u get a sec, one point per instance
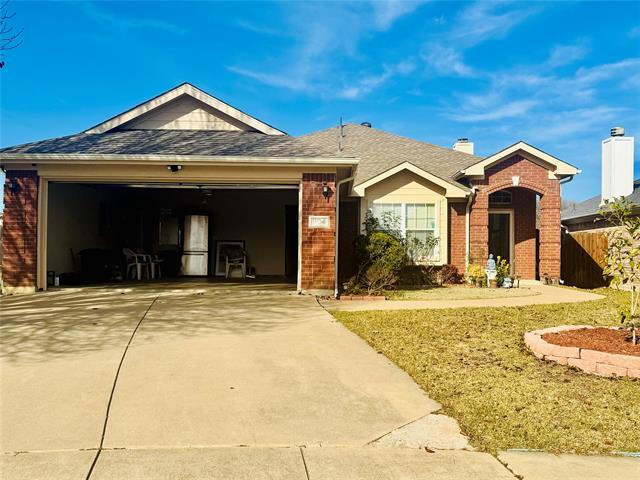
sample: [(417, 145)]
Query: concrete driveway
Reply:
[(187, 374)]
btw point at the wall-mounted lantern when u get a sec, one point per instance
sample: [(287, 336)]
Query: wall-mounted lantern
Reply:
[(13, 185), (326, 191), (174, 168)]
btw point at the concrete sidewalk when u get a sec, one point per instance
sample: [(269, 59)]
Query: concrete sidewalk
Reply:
[(545, 295), (315, 463), (253, 463), (545, 466)]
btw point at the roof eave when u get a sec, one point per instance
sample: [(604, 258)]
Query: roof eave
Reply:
[(144, 159)]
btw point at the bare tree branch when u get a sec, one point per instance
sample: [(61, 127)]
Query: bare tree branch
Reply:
[(9, 37)]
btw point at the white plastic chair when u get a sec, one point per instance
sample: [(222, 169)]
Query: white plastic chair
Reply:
[(238, 259), (136, 261), (155, 265)]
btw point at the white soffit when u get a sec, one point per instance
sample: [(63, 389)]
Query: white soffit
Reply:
[(190, 90), (556, 167), (451, 190)]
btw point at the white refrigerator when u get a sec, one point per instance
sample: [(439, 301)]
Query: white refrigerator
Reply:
[(195, 248)]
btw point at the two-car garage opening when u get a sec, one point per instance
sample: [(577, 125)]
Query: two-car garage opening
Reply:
[(179, 230)]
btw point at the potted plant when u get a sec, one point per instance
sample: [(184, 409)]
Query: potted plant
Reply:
[(502, 271), (476, 274)]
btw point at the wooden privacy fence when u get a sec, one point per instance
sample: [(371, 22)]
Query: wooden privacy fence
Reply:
[(583, 258)]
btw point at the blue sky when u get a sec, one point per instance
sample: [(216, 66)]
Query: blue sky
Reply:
[(557, 75)]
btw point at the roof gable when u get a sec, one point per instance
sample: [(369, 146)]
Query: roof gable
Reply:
[(451, 189), (184, 107), (556, 167)]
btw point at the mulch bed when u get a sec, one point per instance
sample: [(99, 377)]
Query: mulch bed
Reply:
[(601, 339)]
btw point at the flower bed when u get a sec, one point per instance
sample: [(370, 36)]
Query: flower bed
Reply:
[(605, 363)]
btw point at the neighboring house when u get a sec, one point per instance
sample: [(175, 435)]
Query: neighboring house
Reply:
[(583, 216), (127, 181)]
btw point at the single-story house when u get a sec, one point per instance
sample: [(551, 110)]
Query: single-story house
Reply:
[(294, 204)]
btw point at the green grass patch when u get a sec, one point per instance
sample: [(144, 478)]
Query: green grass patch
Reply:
[(459, 292), (475, 363)]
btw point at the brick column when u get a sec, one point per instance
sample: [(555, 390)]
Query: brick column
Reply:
[(550, 231), (479, 227), (20, 231), (318, 244), (524, 206), (457, 235)]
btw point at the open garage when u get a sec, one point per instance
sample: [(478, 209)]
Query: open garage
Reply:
[(185, 229)]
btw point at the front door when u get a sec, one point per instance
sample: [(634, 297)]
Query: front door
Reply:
[(500, 240)]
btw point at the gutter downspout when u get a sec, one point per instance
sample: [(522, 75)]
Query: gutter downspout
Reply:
[(468, 229), (336, 292)]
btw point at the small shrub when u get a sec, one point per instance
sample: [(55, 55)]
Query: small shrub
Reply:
[(386, 250), (354, 287), (383, 252), (502, 270), (449, 275), (623, 257), (476, 273), (379, 277), (418, 276)]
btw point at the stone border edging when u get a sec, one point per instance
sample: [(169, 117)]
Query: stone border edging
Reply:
[(372, 298), (590, 361)]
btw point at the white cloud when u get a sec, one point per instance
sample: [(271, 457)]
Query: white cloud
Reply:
[(103, 16), (368, 84), (513, 109), (483, 21), (446, 60), (385, 13), (565, 55), (475, 24), (555, 124), (324, 34)]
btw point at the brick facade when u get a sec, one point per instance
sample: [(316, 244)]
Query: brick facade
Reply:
[(458, 235), (20, 230), (318, 244), (524, 211), (534, 179)]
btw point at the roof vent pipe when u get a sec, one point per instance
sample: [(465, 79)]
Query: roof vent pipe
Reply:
[(366, 124)]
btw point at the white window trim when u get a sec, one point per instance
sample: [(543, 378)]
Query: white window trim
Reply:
[(437, 258)]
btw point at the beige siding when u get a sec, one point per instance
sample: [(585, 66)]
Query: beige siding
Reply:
[(406, 187), (185, 113), (74, 212)]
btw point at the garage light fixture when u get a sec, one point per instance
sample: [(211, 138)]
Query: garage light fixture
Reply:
[(326, 191), (12, 185), (174, 168)]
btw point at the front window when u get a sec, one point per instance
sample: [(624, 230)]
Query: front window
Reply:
[(501, 197), (412, 220)]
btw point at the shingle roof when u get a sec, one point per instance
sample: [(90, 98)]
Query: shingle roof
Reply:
[(176, 142), (590, 207), (378, 151)]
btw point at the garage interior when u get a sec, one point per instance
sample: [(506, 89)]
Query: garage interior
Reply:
[(89, 225)]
